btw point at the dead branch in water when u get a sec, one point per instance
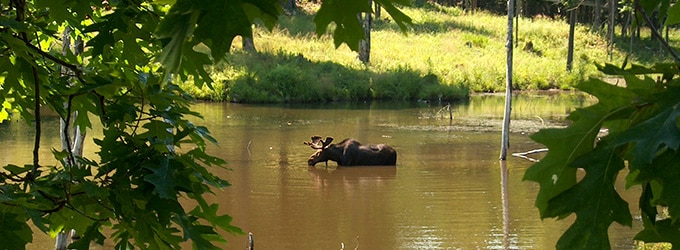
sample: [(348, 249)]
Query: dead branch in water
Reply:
[(342, 245), (523, 155)]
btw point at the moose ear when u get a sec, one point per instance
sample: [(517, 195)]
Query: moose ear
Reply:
[(328, 140)]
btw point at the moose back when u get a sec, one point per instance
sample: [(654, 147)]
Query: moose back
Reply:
[(350, 152)]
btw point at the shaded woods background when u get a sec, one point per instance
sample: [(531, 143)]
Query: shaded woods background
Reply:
[(546, 8)]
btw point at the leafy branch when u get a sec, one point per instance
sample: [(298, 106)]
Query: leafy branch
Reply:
[(643, 120)]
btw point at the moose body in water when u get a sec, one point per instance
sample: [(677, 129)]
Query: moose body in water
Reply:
[(350, 152)]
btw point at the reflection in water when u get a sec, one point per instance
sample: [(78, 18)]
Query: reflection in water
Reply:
[(505, 192), (350, 177), (444, 193)]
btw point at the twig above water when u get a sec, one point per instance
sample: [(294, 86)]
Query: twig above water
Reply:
[(523, 155)]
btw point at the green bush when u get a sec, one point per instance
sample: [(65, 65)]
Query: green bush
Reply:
[(289, 83), (247, 89), (340, 83)]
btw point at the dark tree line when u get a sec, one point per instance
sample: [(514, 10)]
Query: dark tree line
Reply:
[(591, 12)]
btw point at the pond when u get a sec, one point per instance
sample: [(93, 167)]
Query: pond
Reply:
[(444, 193)]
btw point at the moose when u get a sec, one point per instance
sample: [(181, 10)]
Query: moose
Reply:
[(350, 152)]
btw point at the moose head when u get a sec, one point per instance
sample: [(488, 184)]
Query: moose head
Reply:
[(319, 156), (350, 152)]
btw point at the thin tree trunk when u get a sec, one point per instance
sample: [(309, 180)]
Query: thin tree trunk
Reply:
[(79, 133), (505, 140), (596, 16), (570, 47), (378, 10), (289, 7), (63, 239), (74, 145), (517, 11), (610, 30), (655, 32), (365, 45), (248, 43)]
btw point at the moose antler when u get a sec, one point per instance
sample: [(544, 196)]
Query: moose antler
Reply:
[(315, 142)]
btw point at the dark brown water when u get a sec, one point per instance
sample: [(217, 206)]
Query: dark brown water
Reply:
[(444, 193)]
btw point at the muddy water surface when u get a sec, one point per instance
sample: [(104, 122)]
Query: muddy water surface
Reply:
[(444, 193)]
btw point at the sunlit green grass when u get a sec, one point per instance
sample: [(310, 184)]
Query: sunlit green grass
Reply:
[(652, 246), (459, 51)]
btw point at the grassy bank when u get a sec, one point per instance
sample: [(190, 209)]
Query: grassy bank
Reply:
[(446, 55)]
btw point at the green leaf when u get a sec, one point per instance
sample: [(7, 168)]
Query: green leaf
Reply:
[(16, 170), (16, 233), (209, 213), (158, 133), (3, 115), (268, 11), (657, 133), (348, 29), (567, 144), (92, 234), (176, 27), (194, 64), (162, 179), (662, 175), (673, 16), (104, 36), (13, 43), (595, 211), (667, 230), (197, 233), (399, 17), (650, 5), (210, 28)]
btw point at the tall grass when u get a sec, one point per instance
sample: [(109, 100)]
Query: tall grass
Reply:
[(445, 55)]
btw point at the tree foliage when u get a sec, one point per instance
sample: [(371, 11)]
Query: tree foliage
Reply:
[(643, 135), (133, 52)]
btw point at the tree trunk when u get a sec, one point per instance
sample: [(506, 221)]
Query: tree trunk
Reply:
[(505, 137), (610, 30), (248, 43), (73, 145), (517, 13), (570, 48), (365, 45), (596, 15), (377, 9), (289, 7), (64, 239)]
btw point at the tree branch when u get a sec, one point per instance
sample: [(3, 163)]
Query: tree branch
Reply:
[(11, 177), (67, 137), (20, 8), (57, 60), (655, 32), (85, 214)]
